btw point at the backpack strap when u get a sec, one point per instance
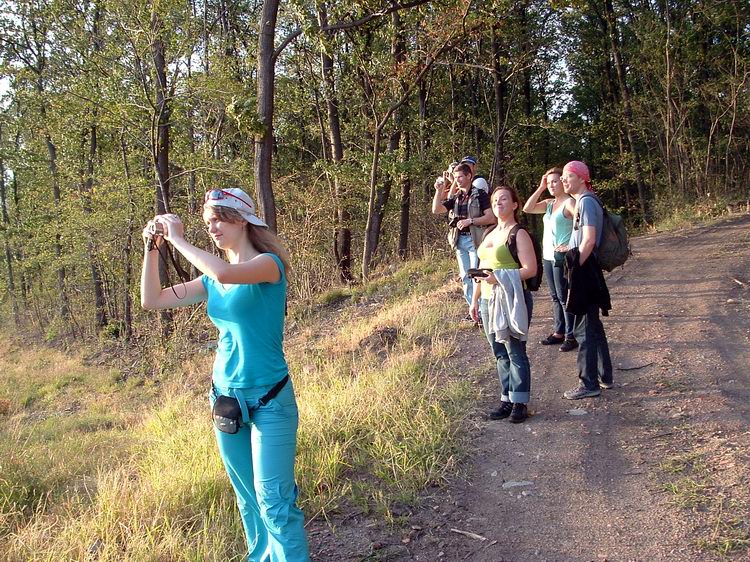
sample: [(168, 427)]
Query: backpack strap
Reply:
[(577, 217), (511, 243)]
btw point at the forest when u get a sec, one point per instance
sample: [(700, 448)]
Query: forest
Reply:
[(337, 116)]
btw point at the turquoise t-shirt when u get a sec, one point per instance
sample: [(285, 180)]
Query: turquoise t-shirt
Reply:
[(250, 319), (557, 230)]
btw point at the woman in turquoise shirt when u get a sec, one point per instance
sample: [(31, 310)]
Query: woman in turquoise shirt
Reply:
[(558, 225), (246, 299)]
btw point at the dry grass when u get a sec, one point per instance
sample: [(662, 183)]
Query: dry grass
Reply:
[(95, 467)]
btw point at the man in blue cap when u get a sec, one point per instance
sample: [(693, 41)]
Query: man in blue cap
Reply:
[(479, 182)]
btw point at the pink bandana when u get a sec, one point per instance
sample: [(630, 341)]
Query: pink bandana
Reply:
[(580, 169)]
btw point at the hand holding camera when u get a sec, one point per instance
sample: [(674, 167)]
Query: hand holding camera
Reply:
[(155, 228), (151, 231), (478, 273), (169, 227)]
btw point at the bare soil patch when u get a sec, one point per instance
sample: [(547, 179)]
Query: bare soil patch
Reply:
[(655, 469)]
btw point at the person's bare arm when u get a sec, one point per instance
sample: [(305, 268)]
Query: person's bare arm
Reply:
[(588, 243), (441, 194), (533, 205)]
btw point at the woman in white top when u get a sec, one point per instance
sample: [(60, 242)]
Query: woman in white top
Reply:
[(558, 225)]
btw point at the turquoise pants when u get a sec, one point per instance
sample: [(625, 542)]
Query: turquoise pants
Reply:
[(259, 460)]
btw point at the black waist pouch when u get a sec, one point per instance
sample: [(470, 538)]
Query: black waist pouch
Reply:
[(227, 414)]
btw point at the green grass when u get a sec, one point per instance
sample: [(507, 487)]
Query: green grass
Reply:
[(688, 483), (692, 486), (729, 528), (676, 217)]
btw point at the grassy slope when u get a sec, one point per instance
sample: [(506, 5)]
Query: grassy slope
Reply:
[(92, 465)]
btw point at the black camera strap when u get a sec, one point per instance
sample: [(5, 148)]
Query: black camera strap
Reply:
[(271, 394), (165, 252)]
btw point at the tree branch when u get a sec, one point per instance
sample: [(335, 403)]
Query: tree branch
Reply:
[(348, 24)]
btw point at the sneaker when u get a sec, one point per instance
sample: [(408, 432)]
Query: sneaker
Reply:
[(606, 385), (568, 345), (519, 413), (552, 339), (502, 412), (581, 392)]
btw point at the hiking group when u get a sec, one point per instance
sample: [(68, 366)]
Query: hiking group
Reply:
[(252, 398), (500, 265)]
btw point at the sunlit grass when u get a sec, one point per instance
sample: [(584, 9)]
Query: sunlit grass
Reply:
[(97, 466)]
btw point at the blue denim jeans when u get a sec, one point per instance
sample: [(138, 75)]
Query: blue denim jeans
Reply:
[(512, 362), (558, 290), (467, 258), (259, 460), (593, 359)]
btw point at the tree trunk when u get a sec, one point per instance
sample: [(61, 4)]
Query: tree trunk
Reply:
[(343, 235), (628, 113), (403, 233), (6, 242), (127, 250), (161, 150), (265, 93), (17, 222), (476, 131), (96, 277), (88, 184), (370, 235), (56, 197), (454, 138), (497, 175)]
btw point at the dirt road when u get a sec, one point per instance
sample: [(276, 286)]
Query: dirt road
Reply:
[(655, 469)]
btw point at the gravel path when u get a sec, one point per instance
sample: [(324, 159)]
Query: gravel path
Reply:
[(588, 480)]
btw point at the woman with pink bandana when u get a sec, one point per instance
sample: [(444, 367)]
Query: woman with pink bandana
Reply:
[(594, 363)]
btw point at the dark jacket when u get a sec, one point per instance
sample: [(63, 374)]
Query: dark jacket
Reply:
[(586, 284)]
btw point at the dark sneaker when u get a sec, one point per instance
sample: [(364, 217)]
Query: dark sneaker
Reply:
[(502, 412), (606, 385), (568, 345), (519, 413), (581, 392), (552, 339)]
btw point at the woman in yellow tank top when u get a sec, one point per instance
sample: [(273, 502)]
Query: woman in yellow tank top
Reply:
[(513, 367)]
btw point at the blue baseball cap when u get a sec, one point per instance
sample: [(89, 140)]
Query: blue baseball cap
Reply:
[(469, 159)]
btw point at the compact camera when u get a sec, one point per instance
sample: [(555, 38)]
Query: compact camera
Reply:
[(478, 273)]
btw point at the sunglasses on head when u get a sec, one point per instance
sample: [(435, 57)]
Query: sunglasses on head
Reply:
[(220, 194)]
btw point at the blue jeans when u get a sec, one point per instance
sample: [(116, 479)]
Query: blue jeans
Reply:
[(467, 258), (593, 359), (513, 367), (558, 290), (259, 460)]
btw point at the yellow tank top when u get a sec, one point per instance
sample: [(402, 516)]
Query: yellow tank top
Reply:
[(493, 255)]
